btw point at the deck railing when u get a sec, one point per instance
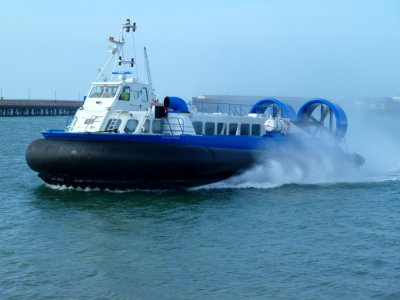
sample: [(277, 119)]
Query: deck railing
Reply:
[(180, 123), (223, 108)]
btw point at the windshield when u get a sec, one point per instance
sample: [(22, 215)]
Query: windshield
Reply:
[(103, 91)]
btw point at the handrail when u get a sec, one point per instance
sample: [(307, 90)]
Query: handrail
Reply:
[(223, 108), (141, 124), (180, 123)]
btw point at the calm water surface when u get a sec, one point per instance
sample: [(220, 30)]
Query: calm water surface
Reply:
[(292, 241)]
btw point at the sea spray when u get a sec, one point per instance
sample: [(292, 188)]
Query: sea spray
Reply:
[(376, 136), (372, 135), (310, 162)]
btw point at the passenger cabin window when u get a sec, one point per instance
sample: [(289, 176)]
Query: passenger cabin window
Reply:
[(103, 91), (131, 125), (221, 129), (126, 94), (255, 129), (113, 124), (244, 129), (198, 127), (209, 128), (146, 126), (233, 128), (158, 126)]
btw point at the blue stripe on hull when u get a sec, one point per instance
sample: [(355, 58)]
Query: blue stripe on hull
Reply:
[(218, 141)]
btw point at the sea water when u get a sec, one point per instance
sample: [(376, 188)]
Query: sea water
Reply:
[(284, 230)]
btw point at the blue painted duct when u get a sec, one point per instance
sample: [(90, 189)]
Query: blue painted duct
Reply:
[(305, 112), (176, 103), (286, 110)]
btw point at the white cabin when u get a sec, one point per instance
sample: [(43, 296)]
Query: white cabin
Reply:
[(126, 106)]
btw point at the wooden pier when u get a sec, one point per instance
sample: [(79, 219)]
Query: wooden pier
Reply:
[(22, 108)]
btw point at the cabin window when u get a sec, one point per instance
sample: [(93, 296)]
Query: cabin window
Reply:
[(113, 124), (221, 129), (233, 128), (198, 127), (245, 129), (146, 126), (96, 91), (109, 92), (209, 128), (126, 94), (131, 125), (103, 91), (158, 126), (255, 129), (145, 96)]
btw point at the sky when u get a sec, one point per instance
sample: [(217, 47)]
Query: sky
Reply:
[(307, 48)]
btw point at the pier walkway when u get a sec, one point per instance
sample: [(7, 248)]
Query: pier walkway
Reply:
[(19, 108)]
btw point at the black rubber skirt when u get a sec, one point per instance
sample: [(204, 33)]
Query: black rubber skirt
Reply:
[(113, 165)]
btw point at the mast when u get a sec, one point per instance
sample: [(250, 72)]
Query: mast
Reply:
[(117, 48)]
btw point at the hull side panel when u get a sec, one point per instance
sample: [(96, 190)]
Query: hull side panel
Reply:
[(133, 165)]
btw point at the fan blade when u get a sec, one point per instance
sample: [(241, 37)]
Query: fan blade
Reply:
[(325, 113)]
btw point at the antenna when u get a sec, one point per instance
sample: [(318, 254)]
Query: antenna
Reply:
[(149, 81), (116, 48)]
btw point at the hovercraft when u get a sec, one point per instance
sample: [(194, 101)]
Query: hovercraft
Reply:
[(124, 138)]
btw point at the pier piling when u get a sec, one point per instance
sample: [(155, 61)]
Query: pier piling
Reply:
[(20, 108)]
